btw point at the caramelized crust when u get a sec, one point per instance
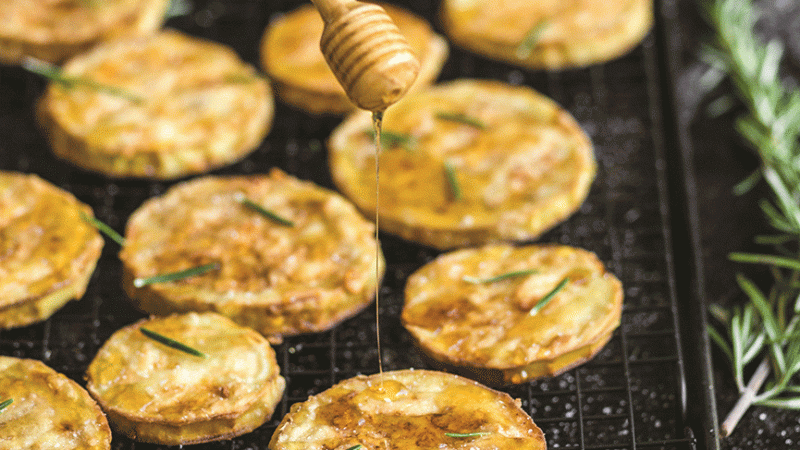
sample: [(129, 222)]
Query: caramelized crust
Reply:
[(196, 107), (408, 410), (155, 393), (48, 251), (488, 330), (54, 30), (278, 279), (528, 169), (48, 410), (291, 56), (573, 33)]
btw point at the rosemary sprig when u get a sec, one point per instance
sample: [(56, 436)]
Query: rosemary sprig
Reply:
[(172, 343), (531, 39), (56, 75), (452, 180), (103, 228), (462, 118), (767, 326), (175, 276), (178, 8), (6, 403), (393, 139), (253, 206), (501, 277), (546, 299), (468, 435)]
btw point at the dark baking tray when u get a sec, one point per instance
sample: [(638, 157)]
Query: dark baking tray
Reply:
[(633, 394)]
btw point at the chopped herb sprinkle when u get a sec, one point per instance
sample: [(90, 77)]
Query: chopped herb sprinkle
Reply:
[(175, 276), (462, 118), (505, 276), (546, 299), (253, 206), (468, 435), (172, 343)]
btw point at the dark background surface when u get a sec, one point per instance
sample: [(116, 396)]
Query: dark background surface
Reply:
[(630, 395), (728, 223)]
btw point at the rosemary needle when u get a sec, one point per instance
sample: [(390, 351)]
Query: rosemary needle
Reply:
[(468, 435), (355, 447), (253, 206), (56, 75), (6, 403), (531, 39), (462, 118), (452, 180), (103, 228), (175, 276), (505, 276), (546, 299), (172, 343)]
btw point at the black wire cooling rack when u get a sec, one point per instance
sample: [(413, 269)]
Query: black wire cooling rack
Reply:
[(631, 395)]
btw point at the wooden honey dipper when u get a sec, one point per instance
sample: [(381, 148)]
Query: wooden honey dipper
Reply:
[(367, 53)]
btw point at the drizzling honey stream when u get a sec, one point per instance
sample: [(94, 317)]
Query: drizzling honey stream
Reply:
[(375, 65)]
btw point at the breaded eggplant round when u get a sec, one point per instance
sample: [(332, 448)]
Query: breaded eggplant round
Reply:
[(506, 314), (162, 107), (466, 163), (306, 272), (54, 30), (47, 410), (291, 56), (548, 34), (408, 410), (154, 392), (48, 251)]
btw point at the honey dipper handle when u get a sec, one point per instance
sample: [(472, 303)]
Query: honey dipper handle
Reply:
[(365, 50), (330, 10)]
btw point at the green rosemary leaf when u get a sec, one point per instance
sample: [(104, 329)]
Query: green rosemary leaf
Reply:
[(240, 78), (747, 184), (56, 75), (253, 206), (175, 276), (468, 435), (452, 180), (778, 261), (778, 239), (103, 228), (172, 343), (393, 139), (178, 8), (507, 275), (719, 313), (6, 403), (768, 320), (355, 447), (720, 341), (546, 299), (462, 118), (783, 403), (531, 39)]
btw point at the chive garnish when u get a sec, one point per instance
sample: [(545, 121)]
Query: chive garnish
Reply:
[(166, 278), (452, 180), (56, 75), (355, 447), (169, 342), (505, 276), (239, 78), (546, 299), (462, 118), (253, 206), (393, 139), (103, 228), (6, 403), (531, 40), (468, 435)]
